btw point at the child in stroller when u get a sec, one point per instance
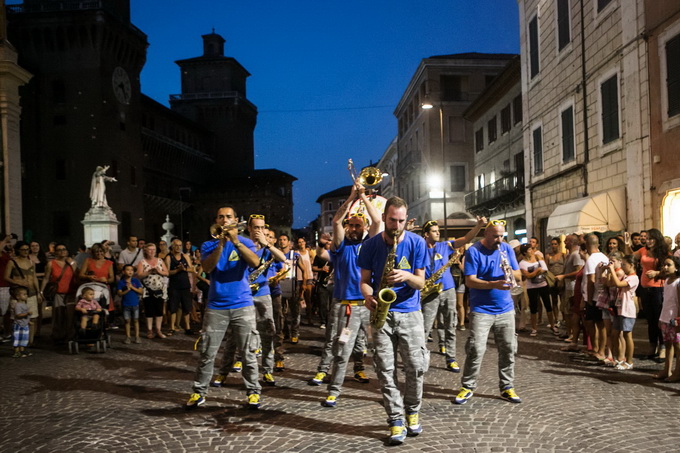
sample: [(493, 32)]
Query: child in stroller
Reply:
[(89, 308)]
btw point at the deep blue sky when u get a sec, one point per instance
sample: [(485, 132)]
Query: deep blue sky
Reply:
[(326, 75)]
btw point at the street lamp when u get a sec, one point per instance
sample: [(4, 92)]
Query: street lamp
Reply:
[(427, 105)]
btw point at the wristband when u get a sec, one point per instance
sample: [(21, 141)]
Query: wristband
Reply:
[(237, 244)]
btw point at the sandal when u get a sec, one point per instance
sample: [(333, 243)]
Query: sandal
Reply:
[(170, 333), (161, 335), (555, 330), (533, 333), (149, 335)]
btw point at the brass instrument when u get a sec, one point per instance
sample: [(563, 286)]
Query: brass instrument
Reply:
[(432, 288), (386, 294), (368, 177), (218, 231), (515, 288), (273, 280), (262, 268)]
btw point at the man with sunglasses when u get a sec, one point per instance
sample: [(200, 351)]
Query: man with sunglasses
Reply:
[(230, 306), (438, 255), (491, 307), (263, 304), (348, 317)]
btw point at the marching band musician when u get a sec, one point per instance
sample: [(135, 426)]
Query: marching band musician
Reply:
[(403, 326), (258, 280), (348, 317), (438, 255), (230, 305), (491, 307)]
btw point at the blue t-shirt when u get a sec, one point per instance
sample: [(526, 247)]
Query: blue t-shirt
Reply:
[(264, 290), (131, 298), (229, 287), (411, 255), (486, 265), (441, 252), (272, 271), (347, 277)]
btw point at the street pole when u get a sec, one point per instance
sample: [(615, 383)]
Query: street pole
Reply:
[(441, 138)]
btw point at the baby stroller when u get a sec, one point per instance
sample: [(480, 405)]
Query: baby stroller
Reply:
[(93, 334)]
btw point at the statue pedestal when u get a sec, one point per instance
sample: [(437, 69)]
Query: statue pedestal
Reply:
[(100, 223)]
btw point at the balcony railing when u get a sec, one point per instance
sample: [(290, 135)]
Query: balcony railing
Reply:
[(408, 160), (508, 187)]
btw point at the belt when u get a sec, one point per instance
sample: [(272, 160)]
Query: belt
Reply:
[(352, 302)]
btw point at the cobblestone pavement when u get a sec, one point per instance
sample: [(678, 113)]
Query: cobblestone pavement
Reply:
[(131, 399)]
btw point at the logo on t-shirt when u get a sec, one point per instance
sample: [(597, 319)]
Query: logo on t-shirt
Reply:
[(404, 264), (437, 256), (233, 256)]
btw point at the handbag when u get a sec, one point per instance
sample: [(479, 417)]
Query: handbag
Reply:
[(550, 278), (50, 291)]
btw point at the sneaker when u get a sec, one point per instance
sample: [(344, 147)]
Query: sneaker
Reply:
[(430, 339), (397, 432), (442, 349), (452, 366), (360, 376), (237, 366), (462, 327), (268, 379), (508, 393), (138, 340), (254, 401), (463, 396), (533, 333), (294, 340), (128, 340), (413, 426), (195, 400), (330, 401), (16, 355), (278, 366), (317, 379), (258, 353), (322, 326), (219, 380)]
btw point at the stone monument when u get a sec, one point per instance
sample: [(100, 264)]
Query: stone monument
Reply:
[(100, 222), (168, 226)]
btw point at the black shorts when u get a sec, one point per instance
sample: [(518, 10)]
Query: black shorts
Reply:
[(153, 307), (593, 313), (179, 298)]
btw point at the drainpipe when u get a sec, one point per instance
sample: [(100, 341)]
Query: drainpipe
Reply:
[(586, 148)]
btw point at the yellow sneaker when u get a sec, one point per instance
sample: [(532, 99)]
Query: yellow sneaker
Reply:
[(279, 366), (254, 401), (397, 432), (360, 376), (413, 426), (268, 379), (195, 400), (453, 366), (237, 366), (218, 380), (317, 379), (330, 401)]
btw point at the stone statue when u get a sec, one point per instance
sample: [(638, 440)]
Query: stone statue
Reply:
[(98, 187)]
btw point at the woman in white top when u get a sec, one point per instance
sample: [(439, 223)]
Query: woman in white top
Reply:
[(533, 271)]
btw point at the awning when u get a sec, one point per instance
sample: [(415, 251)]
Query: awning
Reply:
[(599, 213)]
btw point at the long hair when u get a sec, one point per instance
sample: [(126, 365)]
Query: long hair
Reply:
[(660, 250)]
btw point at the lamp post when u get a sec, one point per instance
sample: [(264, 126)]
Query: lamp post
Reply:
[(427, 105)]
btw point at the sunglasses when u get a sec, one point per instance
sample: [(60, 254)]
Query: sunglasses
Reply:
[(430, 223), (257, 216), (499, 222)]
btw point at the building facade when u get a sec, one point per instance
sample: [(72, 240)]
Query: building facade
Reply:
[(663, 32), (85, 108), (435, 147), (496, 119), (586, 116)]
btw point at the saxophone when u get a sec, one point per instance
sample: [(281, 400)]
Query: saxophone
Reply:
[(432, 288), (386, 294), (254, 286)]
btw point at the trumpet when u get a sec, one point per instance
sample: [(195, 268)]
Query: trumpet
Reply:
[(368, 177), (218, 231)]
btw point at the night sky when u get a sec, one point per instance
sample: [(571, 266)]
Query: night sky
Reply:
[(326, 75)]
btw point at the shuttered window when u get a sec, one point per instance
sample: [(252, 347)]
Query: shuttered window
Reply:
[(609, 90), (673, 75), (568, 134), (533, 47), (538, 150), (563, 24), (479, 140)]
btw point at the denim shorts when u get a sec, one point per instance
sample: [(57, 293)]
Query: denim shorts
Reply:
[(131, 312), (623, 324)]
